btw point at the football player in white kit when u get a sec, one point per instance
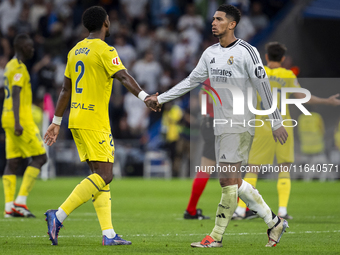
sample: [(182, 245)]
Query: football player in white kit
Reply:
[(233, 62)]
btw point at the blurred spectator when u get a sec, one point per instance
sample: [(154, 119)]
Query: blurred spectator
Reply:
[(148, 71), (245, 29), (167, 35), (5, 48), (137, 114), (126, 52), (37, 10), (192, 25), (257, 17), (142, 39), (23, 25), (182, 57), (46, 21), (9, 14), (135, 10), (162, 11), (114, 22)]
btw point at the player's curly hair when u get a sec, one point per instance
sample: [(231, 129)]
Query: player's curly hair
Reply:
[(231, 11), (93, 18), (275, 51)]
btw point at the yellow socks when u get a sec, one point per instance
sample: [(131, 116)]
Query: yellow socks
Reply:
[(83, 192), (225, 210), (251, 178), (30, 175), (102, 204), (283, 190), (9, 182)]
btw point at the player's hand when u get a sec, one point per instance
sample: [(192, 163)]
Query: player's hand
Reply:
[(152, 103), (18, 129), (333, 100), (51, 134), (280, 134)]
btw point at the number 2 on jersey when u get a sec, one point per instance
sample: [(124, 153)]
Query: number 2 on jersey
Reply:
[(81, 74)]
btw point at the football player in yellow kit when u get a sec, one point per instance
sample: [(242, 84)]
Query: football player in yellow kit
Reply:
[(23, 138), (89, 73)]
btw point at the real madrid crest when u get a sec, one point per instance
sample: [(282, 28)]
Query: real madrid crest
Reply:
[(230, 60)]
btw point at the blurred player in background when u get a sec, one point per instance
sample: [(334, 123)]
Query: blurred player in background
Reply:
[(207, 159), (91, 67), (264, 148), (233, 62), (23, 138)]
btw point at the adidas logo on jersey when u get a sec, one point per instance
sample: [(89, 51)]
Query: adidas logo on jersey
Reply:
[(212, 61), (223, 157)]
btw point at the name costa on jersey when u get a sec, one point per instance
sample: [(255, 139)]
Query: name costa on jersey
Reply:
[(82, 51)]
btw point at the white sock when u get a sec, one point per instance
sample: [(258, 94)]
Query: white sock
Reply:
[(282, 211), (109, 233), (21, 200), (255, 202), (9, 206), (225, 211), (61, 215), (241, 211)]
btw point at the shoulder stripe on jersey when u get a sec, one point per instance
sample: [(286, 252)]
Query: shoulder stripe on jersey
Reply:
[(251, 52), (252, 57), (251, 49)]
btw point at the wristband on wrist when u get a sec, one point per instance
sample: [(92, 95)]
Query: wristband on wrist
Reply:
[(142, 95), (57, 120)]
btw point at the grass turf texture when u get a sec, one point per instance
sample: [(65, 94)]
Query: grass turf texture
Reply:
[(150, 214)]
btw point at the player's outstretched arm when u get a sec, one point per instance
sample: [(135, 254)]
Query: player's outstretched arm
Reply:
[(130, 83), (280, 134), (52, 132), (332, 100)]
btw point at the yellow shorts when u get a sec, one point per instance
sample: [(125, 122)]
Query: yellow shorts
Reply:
[(264, 148), (94, 145), (26, 145)]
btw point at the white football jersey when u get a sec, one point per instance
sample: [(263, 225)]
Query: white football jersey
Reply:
[(238, 65)]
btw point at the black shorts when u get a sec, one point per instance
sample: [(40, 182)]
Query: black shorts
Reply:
[(207, 131)]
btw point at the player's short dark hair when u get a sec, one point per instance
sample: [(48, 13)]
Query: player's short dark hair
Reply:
[(93, 18), (230, 11), (275, 51), (19, 40)]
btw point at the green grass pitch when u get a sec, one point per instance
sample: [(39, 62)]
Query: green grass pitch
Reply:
[(150, 214)]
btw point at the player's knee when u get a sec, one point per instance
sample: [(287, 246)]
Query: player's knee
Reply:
[(39, 161)]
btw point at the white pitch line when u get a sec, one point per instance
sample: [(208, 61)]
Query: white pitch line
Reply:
[(167, 235)]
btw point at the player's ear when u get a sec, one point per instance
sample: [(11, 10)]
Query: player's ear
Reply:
[(266, 56), (232, 25), (107, 22), (283, 59)]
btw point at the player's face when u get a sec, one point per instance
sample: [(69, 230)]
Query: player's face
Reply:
[(28, 49), (107, 33), (221, 24)]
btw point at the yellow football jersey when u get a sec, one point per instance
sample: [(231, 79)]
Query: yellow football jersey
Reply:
[(278, 78), (311, 133), (90, 66), (16, 74)]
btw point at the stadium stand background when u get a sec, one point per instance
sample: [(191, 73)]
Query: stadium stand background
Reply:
[(160, 42)]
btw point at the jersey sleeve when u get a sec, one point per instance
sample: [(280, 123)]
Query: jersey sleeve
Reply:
[(111, 61), (18, 78), (259, 80), (196, 77)]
